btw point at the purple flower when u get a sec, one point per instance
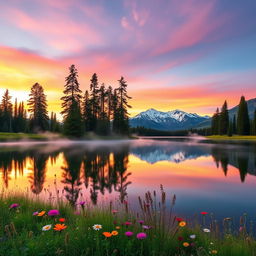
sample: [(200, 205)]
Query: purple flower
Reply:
[(82, 203), (129, 233), (141, 222), (127, 223), (146, 227), (35, 213), (14, 206), (141, 236), (53, 213)]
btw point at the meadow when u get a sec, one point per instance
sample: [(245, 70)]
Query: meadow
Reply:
[(32, 227)]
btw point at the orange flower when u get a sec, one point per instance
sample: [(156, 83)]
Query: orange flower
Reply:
[(182, 224), (114, 233), (62, 220), (41, 213), (107, 234), (60, 227), (185, 244), (117, 227)]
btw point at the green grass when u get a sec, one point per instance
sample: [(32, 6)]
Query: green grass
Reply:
[(21, 232), (7, 136), (234, 137)]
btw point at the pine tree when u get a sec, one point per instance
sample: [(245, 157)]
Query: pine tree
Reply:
[(254, 124), (73, 125), (224, 119), (230, 129), (122, 109), (94, 101), (6, 114), (38, 108), (243, 121), (234, 125), (215, 122), (87, 112)]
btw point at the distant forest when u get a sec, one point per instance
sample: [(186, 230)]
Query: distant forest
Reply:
[(102, 110)]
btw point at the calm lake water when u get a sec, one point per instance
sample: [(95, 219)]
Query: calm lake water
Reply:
[(218, 178)]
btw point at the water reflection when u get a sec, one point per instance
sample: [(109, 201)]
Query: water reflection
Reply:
[(104, 169)]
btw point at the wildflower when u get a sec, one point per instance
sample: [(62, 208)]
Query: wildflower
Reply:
[(182, 224), (127, 223), (35, 213), (141, 222), (192, 236), (97, 226), (129, 233), (186, 244), (46, 227), (114, 233), (82, 203), (146, 227), (227, 219), (141, 236), (53, 213), (41, 213), (14, 206), (204, 213), (117, 227), (114, 211), (214, 252), (60, 227), (107, 234), (62, 219), (180, 238), (241, 229), (206, 230), (179, 219)]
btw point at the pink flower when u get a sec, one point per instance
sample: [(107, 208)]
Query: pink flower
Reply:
[(53, 212), (114, 211), (146, 227), (141, 222), (179, 219), (141, 236), (35, 213), (129, 233), (127, 223), (14, 206), (82, 203)]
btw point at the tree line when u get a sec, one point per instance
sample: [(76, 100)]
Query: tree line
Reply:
[(239, 124), (102, 110)]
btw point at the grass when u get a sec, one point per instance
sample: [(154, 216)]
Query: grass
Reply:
[(8, 136), (234, 137), (21, 232)]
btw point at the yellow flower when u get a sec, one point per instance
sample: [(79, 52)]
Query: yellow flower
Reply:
[(185, 244), (117, 227), (182, 224), (214, 251), (41, 213), (114, 233)]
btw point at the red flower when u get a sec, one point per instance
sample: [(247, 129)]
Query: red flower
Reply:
[(204, 213), (62, 220), (180, 238), (179, 219)]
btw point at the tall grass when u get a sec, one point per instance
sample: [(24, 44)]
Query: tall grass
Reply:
[(21, 232)]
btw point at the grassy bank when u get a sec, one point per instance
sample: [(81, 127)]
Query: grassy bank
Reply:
[(235, 137), (6, 136), (151, 231)]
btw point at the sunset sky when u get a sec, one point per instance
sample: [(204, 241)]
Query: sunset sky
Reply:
[(190, 55)]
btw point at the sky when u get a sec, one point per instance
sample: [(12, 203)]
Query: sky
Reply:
[(189, 55)]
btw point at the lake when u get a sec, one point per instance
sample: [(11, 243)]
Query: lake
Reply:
[(218, 178)]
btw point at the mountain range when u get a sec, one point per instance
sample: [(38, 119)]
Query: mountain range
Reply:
[(178, 119)]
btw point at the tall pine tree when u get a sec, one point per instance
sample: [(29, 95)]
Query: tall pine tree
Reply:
[(39, 120), (215, 122), (73, 125), (243, 121), (254, 123), (6, 115), (224, 119)]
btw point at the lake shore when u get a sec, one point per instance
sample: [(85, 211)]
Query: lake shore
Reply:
[(233, 138), (31, 226)]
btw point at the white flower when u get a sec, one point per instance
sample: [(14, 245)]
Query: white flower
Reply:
[(46, 228), (192, 236), (97, 226), (206, 230)]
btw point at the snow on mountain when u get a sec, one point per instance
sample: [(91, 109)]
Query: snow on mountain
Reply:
[(171, 120)]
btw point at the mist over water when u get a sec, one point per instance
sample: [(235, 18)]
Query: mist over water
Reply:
[(218, 178)]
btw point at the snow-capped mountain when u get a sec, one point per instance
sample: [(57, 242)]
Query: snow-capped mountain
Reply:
[(171, 120)]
